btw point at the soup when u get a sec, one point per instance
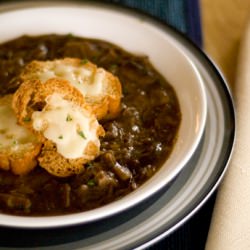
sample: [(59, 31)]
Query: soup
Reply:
[(136, 142)]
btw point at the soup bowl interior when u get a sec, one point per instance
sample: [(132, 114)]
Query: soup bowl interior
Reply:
[(137, 35)]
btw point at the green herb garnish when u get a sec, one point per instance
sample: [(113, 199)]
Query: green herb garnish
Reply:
[(60, 137), (113, 67), (26, 119), (95, 59), (88, 165), (69, 118), (80, 132), (91, 183), (84, 61)]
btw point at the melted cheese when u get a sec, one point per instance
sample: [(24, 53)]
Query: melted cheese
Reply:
[(67, 125), (84, 79), (12, 135)]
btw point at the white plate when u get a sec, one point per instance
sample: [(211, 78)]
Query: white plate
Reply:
[(150, 221), (137, 34)]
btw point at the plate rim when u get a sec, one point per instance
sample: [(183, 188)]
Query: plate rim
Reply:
[(69, 219)]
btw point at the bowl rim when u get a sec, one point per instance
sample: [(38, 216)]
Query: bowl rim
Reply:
[(39, 221)]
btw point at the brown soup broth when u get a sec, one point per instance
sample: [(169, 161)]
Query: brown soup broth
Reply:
[(136, 143)]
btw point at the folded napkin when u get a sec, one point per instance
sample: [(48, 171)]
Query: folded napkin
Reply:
[(230, 225)]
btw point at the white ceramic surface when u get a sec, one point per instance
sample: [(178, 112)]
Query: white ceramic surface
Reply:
[(135, 35)]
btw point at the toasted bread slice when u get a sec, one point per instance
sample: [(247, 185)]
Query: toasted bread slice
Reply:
[(31, 95), (101, 89), (59, 166), (18, 146), (56, 112)]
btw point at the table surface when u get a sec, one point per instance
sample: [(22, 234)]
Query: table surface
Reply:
[(223, 25)]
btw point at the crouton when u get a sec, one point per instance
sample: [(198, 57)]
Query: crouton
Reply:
[(101, 89), (59, 166), (18, 146), (56, 112), (31, 95)]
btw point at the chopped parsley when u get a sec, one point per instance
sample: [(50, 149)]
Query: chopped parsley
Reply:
[(88, 165), (95, 59), (80, 132), (113, 66), (91, 183), (84, 61), (14, 142), (69, 118), (26, 119), (60, 137)]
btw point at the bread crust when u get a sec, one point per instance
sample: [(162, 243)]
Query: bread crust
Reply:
[(104, 106), (22, 162), (30, 97), (22, 159)]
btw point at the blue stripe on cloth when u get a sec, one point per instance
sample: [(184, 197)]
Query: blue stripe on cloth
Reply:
[(194, 21)]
